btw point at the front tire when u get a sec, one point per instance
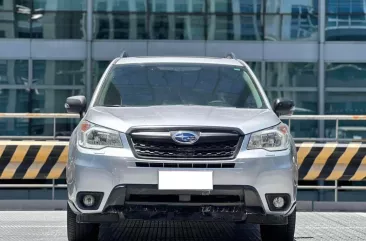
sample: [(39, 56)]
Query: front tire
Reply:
[(280, 232), (80, 231)]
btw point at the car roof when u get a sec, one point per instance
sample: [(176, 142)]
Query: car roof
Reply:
[(163, 59)]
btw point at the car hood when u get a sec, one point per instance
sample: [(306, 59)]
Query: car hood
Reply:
[(123, 118)]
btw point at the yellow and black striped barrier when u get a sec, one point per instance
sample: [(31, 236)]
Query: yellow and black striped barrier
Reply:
[(332, 161), (317, 161), (33, 159)]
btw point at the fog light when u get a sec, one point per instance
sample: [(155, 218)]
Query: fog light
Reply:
[(278, 202), (88, 200)]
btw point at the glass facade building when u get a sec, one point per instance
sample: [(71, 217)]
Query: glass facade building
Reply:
[(306, 50), (311, 51)]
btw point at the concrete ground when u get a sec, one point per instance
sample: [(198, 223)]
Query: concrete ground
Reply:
[(51, 226)]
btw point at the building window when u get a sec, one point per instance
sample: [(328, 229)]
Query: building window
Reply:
[(272, 20), (291, 74), (53, 19), (178, 27), (14, 23), (177, 6), (235, 27), (235, 6), (345, 95), (120, 6), (290, 20), (59, 25), (21, 95), (60, 5), (13, 72), (120, 26), (52, 82), (163, 19), (350, 102), (35, 101), (208, 20), (345, 20), (298, 82), (15, 98), (340, 75), (66, 73)]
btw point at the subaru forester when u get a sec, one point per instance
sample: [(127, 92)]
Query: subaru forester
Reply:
[(181, 138)]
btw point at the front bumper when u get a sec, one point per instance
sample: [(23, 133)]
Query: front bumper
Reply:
[(256, 174), (144, 202)]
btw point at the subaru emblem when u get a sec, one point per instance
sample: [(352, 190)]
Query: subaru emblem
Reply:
[(185, 137)]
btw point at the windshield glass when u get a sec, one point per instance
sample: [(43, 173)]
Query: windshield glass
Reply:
[(179, 84)]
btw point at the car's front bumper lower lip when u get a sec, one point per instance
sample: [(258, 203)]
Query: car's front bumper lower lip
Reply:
[(248, 208), (182, 213)]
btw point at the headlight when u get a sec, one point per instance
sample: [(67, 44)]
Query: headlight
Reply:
[(96, 137), (275, 139)]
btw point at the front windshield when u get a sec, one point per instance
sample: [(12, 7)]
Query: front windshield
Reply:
[(179, 84)]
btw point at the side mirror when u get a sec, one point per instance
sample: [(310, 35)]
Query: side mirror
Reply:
[(76, 105), (283, 107)]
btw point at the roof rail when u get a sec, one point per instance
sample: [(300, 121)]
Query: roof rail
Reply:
[(124, 54), (230, 55)]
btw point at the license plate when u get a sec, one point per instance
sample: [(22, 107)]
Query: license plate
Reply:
[(185, 180)]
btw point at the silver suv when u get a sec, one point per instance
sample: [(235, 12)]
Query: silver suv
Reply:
[(181, 138)]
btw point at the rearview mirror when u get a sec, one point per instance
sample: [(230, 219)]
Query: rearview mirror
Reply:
[(283, 107), (76, 104)]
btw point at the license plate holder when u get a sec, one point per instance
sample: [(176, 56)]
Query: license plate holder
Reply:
[(185, 180)]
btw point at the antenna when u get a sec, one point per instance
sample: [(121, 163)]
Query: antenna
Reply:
[(230, 55), (124, 54)]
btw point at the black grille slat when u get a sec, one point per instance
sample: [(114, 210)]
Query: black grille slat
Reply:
[(193, 198), (176, 154), (206, 147), (220, 147)]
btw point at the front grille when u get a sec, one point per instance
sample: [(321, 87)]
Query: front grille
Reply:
[(153, 149), (210, 145), (185, 165)]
